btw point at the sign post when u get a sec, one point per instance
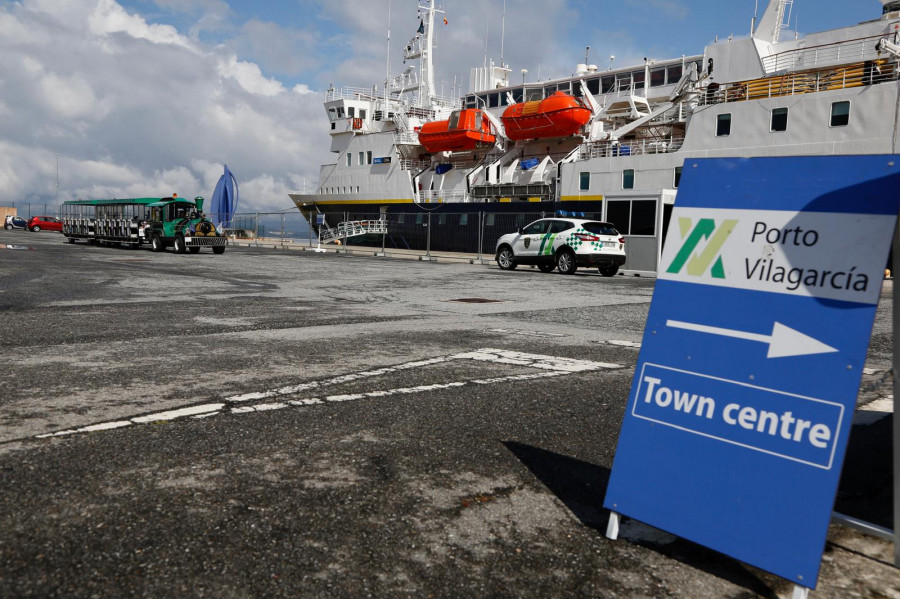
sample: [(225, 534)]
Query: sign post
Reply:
[(742, 401)]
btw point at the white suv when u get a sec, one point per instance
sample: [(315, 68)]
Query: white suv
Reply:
[(564, 244)]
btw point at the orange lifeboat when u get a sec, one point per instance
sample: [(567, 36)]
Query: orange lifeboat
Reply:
[(466, 130), (558, 115)]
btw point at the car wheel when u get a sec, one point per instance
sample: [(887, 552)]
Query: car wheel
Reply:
[(180, 246), (157, 244), (547, 266), (506, 259), (219, 249), (7, 227), (70, 239), (35, 228), (565, 262), (608, 271)]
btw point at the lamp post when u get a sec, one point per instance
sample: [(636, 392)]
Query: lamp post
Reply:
[(524, 72), (611, 59)]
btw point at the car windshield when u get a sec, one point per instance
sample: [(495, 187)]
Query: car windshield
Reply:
[(600, 228)]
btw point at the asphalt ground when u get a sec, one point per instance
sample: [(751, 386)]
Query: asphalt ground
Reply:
[(271, 423)]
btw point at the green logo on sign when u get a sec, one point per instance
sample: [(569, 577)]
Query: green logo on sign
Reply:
[(697, 264)]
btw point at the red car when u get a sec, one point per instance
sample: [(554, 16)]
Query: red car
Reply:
[(44, 223)]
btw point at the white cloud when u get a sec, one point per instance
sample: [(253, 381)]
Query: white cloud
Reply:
[(137, 109)]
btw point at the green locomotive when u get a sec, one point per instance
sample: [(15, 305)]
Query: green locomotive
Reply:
[(161, 222)]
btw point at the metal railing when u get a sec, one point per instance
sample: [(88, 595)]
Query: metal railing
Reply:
[(828, 54), (846, 77), (355, 228), (606, 149)]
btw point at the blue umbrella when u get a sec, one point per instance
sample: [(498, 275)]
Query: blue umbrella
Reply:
[(224, 200)]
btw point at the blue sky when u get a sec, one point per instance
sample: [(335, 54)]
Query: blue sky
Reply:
[(144, 97), (304, 41)]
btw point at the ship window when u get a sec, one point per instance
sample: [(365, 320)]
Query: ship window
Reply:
[(593, 85), (419, 219), (442, 219), (493, 100), (677, 176), (674, 73), (332, 126), (548, 90), (369, 157), (340, 112), (517, 94), (779, 119), (351, 111), (463, 219), (623, 82), (349, 159), (840, 114), (471, 102), (607, 84), (401, 218), (332, 114), (658, 77), (362, 113), (533, 93), (638, 78), (489, 220), (723, 125), (565, 87), (362, 159), (454, 120), (584, 183), (482, 100), (628, 178)]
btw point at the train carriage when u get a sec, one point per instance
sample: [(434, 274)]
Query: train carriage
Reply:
[(161, 222)]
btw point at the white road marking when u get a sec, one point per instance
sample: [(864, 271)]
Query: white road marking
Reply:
[(525, 333), (550, 366)]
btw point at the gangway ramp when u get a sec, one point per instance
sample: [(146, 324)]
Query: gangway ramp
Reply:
[(354, 228)]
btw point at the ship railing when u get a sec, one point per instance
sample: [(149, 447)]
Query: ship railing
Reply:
[(640, 147), (790, 84), (355, 228), (406, 138), (357, 93), (414, 164), (860, 49), (442, 197)]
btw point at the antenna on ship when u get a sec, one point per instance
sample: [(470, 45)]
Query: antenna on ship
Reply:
[(502, 34), (387, 76)]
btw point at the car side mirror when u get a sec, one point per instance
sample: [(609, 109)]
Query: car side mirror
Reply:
[(521, 229)]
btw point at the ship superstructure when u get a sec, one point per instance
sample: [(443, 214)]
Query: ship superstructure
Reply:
[(833, 92)]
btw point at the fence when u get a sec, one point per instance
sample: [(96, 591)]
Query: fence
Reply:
[(465, 232), (26, 210)]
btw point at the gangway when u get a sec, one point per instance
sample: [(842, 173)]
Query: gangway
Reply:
[(354, 228)]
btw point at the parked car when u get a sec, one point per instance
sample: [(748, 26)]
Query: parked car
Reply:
[(563, 244), (15, 222), (44, 223)]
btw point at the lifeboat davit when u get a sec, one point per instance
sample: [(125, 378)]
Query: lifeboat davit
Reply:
[(558, 115), (464, 131)]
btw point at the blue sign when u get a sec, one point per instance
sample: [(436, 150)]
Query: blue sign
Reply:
[(743, 395)]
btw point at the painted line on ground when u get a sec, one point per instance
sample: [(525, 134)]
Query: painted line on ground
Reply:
[(549, 366)]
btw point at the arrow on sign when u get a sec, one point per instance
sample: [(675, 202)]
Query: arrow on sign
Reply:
[(783, 342)]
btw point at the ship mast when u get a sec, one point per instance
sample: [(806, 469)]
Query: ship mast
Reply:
[(422, 47)]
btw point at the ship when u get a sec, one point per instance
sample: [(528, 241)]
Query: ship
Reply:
[(456, 173)]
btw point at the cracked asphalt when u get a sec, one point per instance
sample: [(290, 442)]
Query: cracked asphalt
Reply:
[(343, 426)]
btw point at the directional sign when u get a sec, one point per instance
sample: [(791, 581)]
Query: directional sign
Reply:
[(743, 394)]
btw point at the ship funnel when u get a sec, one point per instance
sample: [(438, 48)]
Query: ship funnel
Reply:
[(889, 6)]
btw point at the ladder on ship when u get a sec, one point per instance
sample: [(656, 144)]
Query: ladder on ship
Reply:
[(344, 230)]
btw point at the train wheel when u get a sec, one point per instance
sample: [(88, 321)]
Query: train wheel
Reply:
[(157, 244), (219, 249), (180, 246)]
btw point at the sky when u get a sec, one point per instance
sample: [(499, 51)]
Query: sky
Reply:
[(143, 98)]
